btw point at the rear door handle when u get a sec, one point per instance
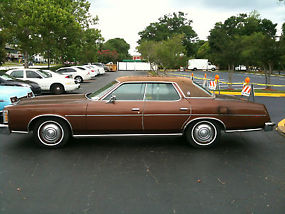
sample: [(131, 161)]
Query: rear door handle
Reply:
[(135, 109), (184, 109)]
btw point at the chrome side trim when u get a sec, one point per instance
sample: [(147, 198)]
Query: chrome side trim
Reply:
[(203, 118), (19, 132), (75, 115), (147, 115), (127, 135), (50, 115), (244, 130)]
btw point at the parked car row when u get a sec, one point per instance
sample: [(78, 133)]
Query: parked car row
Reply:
[(19, 83)]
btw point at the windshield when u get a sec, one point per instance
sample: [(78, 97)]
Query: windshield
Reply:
[(44, 74), (7, 77), (99, 93)]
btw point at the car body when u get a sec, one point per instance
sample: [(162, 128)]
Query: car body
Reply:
[(100, 67), (67, 82), (78, 74), (12, 94), (46, 81), (106, 68), (134, 106), (7, 80), (94, 71)]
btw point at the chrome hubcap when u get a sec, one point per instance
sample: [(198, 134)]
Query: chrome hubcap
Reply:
[(50, 133), (204, 133)]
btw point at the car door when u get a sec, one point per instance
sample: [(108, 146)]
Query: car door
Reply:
[(36, 77), (118, 112), (165, 110)]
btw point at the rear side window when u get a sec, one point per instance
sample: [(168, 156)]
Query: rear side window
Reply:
[(161, 91), (17, 74), (32, 74)]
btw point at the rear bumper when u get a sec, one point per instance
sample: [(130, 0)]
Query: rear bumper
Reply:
[(269, 126), (4, 129)]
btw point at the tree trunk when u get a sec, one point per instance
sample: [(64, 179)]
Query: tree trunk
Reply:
[(26, 65), (230, 76), (48, 59), (268, 73)]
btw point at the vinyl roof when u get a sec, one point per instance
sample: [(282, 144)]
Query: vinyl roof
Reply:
[(185, 84)]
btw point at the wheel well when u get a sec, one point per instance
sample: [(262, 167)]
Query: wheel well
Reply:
[(33, 122), (213, 120)]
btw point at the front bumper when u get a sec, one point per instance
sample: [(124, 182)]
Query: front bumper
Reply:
[(269, 126), (4, 129)]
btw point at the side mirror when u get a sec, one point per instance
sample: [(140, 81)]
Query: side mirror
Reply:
[(112, 99)]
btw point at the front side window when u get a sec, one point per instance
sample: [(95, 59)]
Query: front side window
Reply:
[(161, 91), (128, 91), (17, 74), (32, 74)]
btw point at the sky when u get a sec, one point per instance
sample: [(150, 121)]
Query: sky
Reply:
[(126, 18)]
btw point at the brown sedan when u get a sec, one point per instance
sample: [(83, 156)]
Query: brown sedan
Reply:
[(136, 106)]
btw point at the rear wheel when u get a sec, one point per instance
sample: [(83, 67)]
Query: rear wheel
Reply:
[(57, 89), (203, 134), (78, 79), (52, 133)]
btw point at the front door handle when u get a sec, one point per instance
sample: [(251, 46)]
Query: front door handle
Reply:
[(184, 109), (135, 109)]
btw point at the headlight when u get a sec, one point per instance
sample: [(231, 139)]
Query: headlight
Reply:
[(13, 99), (5, 116)]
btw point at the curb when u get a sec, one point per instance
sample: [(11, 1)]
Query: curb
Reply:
[(281, 127)]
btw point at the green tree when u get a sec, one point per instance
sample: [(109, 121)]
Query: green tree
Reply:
[(225, 39), (2, 48), (90, 44), (50, 27), (261, 50), (120, 46), (166, 54), (168, 26), (204, 51)]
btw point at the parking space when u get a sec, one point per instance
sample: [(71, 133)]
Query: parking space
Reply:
[(244, 174)]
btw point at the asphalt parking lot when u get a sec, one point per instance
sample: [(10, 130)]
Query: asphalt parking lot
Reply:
[(243, 174)]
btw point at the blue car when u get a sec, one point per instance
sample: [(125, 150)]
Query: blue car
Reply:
[(10, 95)]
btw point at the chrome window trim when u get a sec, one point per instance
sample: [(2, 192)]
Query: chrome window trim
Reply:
[(144, 100), (50, 115)]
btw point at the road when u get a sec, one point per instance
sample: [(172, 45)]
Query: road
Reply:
[(237, 77), (243, 174)]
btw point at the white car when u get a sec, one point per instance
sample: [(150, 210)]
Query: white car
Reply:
[(92, 71), (78, 74), (100, 67), (47, 82)]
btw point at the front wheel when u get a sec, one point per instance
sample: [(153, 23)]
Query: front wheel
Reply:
[(203, 134), (52, 133)]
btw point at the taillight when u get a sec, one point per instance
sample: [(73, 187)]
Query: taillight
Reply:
[(30, 94), (92, 70), (68, 76), (13, 99), (5, 116)]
